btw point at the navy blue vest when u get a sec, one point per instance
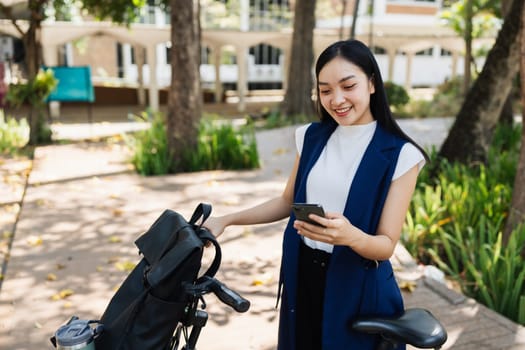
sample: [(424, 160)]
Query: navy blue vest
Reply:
[(353, 286)]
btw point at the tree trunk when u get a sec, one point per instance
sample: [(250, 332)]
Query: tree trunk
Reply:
[(517, 209), (471, 133), (507, 113), (354, 19), (298, 96), (343, 13), (33, 60), (468, 46), (140, 55), (184, 100)]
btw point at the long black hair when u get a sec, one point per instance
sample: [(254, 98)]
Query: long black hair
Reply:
[(359, 54)]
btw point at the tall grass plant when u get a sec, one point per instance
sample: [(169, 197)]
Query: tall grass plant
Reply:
[(14, 134), (456, 221), (220, 145), (151, 155)]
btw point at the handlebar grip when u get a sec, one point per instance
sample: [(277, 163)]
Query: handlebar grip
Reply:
[(230, 297)]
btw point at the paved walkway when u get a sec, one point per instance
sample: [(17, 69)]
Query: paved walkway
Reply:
[(83, 208)]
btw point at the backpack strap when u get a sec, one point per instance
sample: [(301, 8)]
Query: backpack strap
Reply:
[(203, 210), (207, 236)]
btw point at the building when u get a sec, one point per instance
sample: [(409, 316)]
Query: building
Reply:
[(246, 43)]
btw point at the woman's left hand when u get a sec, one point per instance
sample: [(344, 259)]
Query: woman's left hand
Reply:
[(334, 229)]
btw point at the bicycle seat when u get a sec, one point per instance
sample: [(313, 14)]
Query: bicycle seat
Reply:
[(417, 327)]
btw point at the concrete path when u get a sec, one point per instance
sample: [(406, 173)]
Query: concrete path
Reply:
[(83, 208)]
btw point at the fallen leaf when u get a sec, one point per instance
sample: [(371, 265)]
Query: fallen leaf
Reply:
[(263, 279), (409, 286), (230, 202), (34, 241), (114, 239), (113, 259), (64, 293), (38, 325), (41, 202), (280, 151), (51, 277), (117, 212), (125, 265)]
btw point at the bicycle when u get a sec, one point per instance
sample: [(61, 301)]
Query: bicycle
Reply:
[(195, 316), (416, 327)]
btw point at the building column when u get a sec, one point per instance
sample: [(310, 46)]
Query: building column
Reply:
[(139, 63), (391, 59), (285, 65), (50, 55), (242, 78), (454, 67), (217, 65), (408, 76), (151, 56)]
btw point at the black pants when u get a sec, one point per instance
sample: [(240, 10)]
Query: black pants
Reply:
[(313, 264)]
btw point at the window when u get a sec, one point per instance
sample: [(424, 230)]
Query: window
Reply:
[(426, 52), (445, 52), (377, 50), (427, 1), (265, 54)]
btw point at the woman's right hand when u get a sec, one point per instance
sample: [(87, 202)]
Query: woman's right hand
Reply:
[(216, 225)]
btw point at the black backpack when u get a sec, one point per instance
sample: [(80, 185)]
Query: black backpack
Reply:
[(146, 309)]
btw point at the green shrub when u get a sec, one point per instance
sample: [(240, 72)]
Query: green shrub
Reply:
[(274, 119), (456, 219), (35, 93), (14, 134), (396, 94), (150, 147), (219, 146), (487, 270), (445, 102)]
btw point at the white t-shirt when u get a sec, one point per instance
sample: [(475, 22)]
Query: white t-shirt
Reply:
[(329, 180)]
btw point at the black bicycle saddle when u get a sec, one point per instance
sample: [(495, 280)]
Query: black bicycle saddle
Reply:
[(417, 327)]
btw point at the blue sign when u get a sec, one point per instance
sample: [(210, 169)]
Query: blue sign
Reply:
[(74, 84)]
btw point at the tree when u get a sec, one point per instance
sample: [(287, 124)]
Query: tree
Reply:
[(507, 112), (298, 97), (343, 13), (470, 19), (517, 208), (31, 36), (354, 19), (184, 100), (32, 60), (121, 11), (471, 133)]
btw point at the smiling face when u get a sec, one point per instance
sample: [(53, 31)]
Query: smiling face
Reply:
[(344, 92)]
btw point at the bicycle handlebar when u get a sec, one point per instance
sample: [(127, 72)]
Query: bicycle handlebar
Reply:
[(207, 284), (229, 297)]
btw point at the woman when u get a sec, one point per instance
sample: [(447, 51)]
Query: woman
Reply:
[(358, 164)]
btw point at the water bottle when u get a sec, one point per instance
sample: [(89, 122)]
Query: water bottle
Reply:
[(76, 335)]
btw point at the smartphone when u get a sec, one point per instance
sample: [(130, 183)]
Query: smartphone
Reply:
[(302, 210)]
